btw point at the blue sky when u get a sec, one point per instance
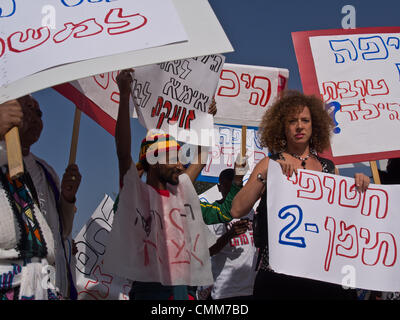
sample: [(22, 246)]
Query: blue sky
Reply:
[(260, 32)]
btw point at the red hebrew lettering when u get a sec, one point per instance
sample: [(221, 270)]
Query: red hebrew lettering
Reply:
[(312, 185), (345, 91), (330, 184), (348, 197), (20, 42), (82, 29), (232, 88), (100, 283), (281, 83), (380, 89), (384, 249), (123, 24), (164, 115), (394, 109), (191, 116), (263, 85), (214, 153), (243, 239), (102, 80), (230, 152), (349, 236), (380, 198), (329, 91), (369, 110), (155, 111), (2, 47), (330, 226), (246, 78), (351, 109)]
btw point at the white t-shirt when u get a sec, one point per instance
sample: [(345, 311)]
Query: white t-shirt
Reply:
[(159, 236), (234, 266)]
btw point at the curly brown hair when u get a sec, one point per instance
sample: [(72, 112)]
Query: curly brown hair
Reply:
[(272, 125)]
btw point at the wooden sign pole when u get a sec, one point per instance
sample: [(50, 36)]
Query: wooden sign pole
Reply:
[(75, 136), (375, 172), (243, 144), (14, 153)]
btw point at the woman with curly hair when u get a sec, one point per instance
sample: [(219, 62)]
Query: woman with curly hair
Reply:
[(294, 129)]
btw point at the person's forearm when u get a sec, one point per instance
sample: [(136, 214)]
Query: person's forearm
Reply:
[(198, 164), (123, 134), (220, 244)]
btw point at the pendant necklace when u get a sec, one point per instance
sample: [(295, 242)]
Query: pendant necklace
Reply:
[(303, 160)]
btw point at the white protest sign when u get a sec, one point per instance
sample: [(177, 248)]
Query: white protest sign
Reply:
[(92, 282), (159, 235), (244, 92), (202, 28), (228, 140), (358, 74), (80, 32), (320, 228), (175, 96)]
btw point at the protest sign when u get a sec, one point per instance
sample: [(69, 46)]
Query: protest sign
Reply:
[(356, 72), (175, 92), (245, 91), (222, 155), (174, 97), (125, 25), (320, 227), (159, 236), (199, 22), (92, 282)]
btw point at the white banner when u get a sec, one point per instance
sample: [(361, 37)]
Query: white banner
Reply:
[(319, 227), (175, 96), (92, 282), (159, 236), (79, 30), (359, 75), (245, 92), (199, 21), (228, 141)]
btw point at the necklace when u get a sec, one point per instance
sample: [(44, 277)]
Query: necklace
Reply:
[(303, 160)]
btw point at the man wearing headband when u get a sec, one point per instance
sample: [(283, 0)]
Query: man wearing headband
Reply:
[(165, 248)]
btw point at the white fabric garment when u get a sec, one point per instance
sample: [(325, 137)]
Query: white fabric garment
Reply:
[(159, 238), (234, 266), (48, 207), (47, 216)]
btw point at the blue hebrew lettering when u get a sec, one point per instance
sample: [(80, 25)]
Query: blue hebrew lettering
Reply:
[(344, 46), (393, 42), (311, 227), (398, 67), (376, 48), (295, 214), (7, 8), (69, 3)]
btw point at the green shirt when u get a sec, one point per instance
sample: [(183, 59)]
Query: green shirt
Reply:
[(219, 213)]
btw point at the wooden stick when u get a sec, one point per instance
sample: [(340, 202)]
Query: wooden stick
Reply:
[(375, 172), (14, 153), (243, 145), (75, 136)]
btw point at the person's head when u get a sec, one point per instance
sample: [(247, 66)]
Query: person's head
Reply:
[(32, 122), (225, 181), (159, 157), (296, 119)]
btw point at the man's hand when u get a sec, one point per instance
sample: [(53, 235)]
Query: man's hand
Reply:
[(70, 182), (212, 109), (11, 115), (124, 81), (238, 228)]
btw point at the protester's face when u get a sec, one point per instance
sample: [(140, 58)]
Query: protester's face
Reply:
[(170, 168), (224, 187), (298, 127), (32, 122)]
